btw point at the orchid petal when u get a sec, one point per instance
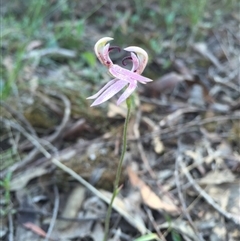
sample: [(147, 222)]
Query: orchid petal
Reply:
[(102, 89), (127, 92), (105, 55), (125, 59), (139, 77), (142, 56), (100, 47), (110, 92), (135, 62), (125, 74)]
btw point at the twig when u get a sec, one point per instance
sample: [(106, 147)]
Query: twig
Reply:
[(55, 212), (221, 46), (66, 116), (151, 218), (183, 203), (140, 146), (143, 155), (227, 81), (46, 214), (181, 129), (65, 119), (80, 179), (19, 116), (207, 198), (203, 50), (163, 104), (103, 197), (10, 236), (34, 139)]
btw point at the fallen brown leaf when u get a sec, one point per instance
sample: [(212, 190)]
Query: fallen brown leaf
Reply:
[(23, 178), (114, 110), (148, 196), (165, 84), (72, 206), (35, 229)]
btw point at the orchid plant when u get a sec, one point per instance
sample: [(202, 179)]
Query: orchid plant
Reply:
[(122, 78)]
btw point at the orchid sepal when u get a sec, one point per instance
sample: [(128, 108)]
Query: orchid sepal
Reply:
[(141, 55), (102, 89), (108, 93), (101, 51), (127, 75)]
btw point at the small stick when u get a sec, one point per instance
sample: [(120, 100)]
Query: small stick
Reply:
[(184, 207), (10, 219), (34, 138), (207, 198), (66, 116), (19, 116), (55, 213), (80, 179)]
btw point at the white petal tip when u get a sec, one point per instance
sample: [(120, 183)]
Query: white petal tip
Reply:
[(91, 97), (103, 40), (136, 50), (93, 104)]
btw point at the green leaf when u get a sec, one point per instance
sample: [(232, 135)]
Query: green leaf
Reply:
[(175, 236), (90, 58), (169, 18)]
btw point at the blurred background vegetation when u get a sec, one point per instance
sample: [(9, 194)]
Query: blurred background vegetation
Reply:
[(162, 27), (48, 45)]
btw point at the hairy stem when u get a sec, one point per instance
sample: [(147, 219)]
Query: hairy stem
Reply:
[(119, 169)]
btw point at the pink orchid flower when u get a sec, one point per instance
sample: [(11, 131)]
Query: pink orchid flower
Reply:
[(123, 77)]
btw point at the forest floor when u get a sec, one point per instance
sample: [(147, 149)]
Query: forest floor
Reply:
[(181, 175)]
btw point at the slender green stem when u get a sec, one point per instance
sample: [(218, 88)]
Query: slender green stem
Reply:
[(119, 168)]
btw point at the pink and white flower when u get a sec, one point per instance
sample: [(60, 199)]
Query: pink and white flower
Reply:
[(122, 77)]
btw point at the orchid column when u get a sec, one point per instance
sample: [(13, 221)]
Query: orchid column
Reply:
[(122, 78)]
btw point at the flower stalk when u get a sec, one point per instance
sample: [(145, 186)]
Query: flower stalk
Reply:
[(119, 169)]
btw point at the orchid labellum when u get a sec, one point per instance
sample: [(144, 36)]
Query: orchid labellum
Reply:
[(122, 77)]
